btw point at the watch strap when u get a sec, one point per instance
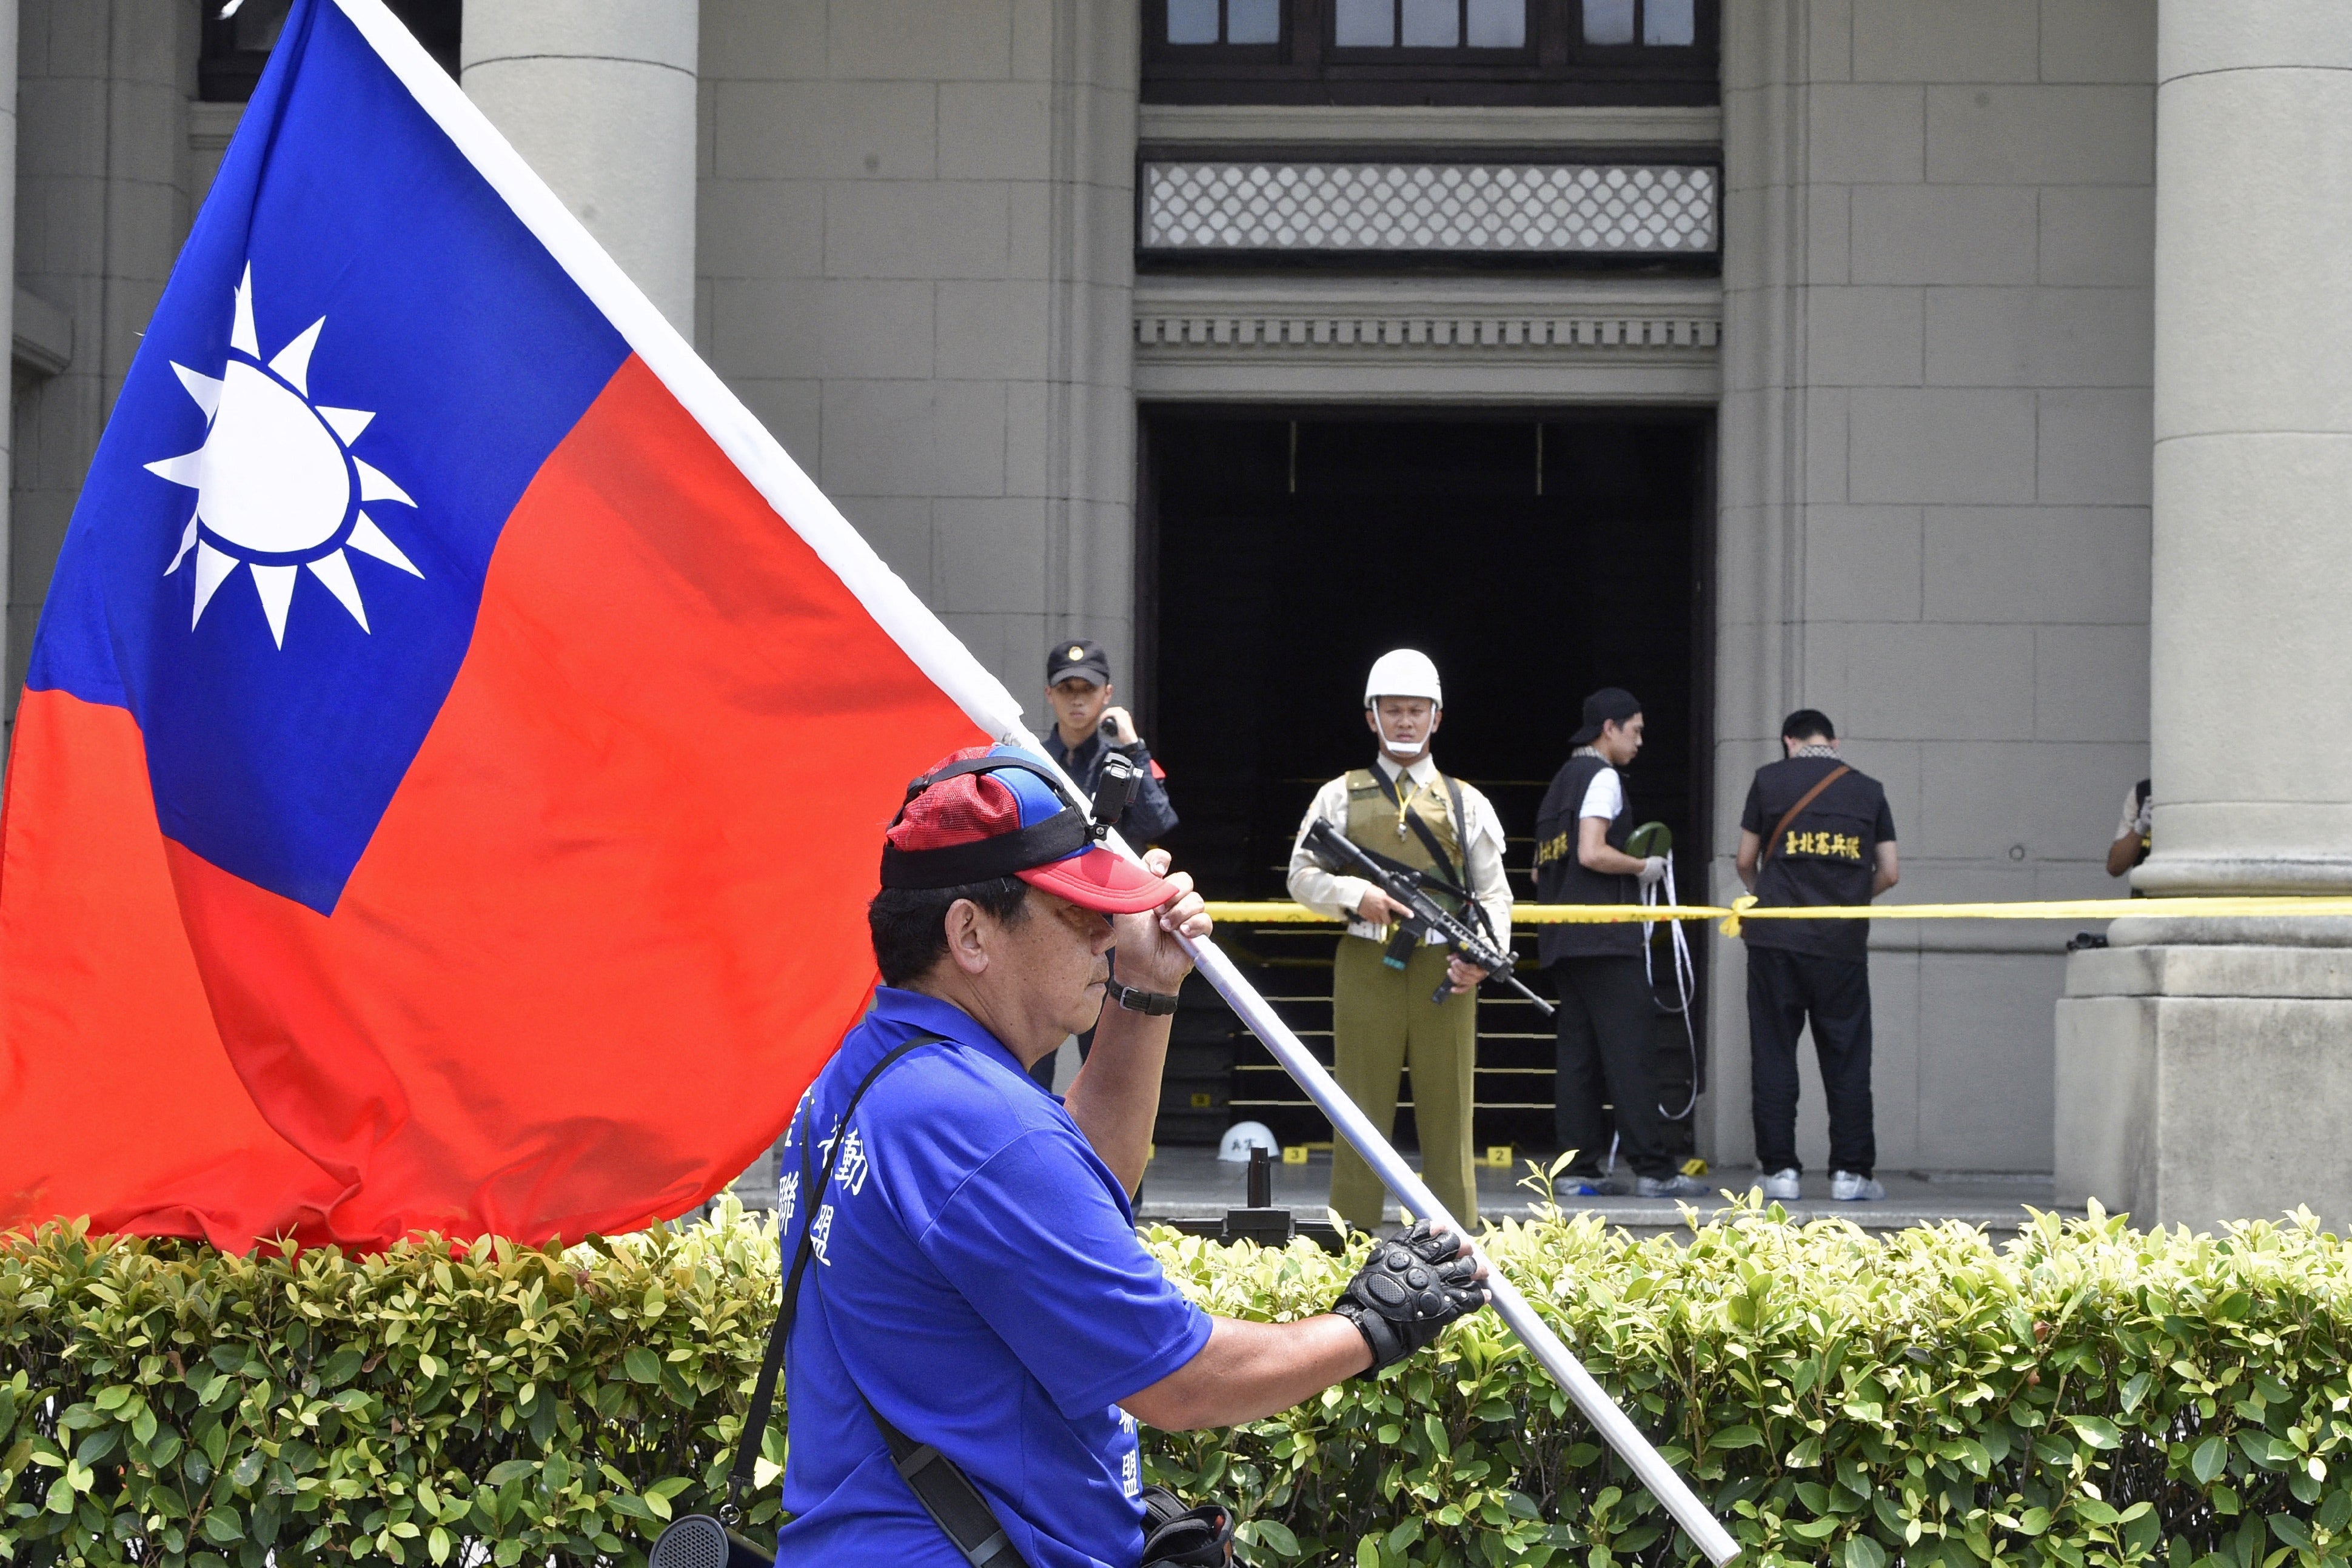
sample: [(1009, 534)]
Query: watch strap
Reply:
[(1159, 1004)]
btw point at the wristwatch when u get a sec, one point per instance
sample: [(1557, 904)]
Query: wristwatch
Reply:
[(1159, 1004)]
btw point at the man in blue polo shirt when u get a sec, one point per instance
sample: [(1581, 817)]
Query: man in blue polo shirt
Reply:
[(977, 1279)]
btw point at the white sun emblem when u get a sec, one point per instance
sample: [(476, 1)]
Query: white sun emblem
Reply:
[(274, 480)]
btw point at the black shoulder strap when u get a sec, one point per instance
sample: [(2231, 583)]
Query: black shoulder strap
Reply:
[(1429, 840), (946, 1493), (1470, 904), (763, 1392)]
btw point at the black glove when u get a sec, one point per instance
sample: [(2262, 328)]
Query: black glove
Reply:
[(1409, 1290), (1199, 1537)]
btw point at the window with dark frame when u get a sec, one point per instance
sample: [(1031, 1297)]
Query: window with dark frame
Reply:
[(239, 34), (1239, 23), (1653, 23), (1430, 24), (1431, 51)]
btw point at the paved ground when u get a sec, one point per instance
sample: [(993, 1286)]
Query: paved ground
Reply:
[(1190, 1183)]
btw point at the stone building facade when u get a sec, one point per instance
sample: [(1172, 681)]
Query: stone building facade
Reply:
[(966, 256)]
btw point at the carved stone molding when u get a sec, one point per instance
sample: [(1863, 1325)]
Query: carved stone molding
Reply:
[(1445, 340)]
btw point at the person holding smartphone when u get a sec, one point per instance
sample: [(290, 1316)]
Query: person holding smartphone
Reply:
[(1087, 727)]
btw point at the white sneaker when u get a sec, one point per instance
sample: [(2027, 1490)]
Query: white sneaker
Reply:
[(1781, 1186), (1849, 1188)]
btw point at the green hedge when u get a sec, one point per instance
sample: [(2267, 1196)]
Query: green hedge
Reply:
[(2085, 1393)]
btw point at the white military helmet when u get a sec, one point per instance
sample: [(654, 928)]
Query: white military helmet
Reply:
[(1403, 672)]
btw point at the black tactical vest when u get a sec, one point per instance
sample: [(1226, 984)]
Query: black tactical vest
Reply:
[(1562, 879)]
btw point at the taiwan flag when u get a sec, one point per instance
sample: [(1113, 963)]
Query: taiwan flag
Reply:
[(457, 741)]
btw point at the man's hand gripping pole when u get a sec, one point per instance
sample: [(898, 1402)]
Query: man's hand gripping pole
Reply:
[(1612, 1423)]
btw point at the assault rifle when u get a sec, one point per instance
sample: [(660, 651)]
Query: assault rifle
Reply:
[(1338, 853)]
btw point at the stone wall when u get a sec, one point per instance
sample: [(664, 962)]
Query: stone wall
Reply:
[(101, 208), (916, 223), (1935, 526)]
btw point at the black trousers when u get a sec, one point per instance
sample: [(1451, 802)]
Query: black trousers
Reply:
[(1783, 990), (1608, 1032)]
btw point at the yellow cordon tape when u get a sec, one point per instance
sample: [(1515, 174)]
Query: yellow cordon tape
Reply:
[(1283, 913)]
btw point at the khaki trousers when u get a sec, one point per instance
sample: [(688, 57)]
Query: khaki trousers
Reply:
[(1382, 1021)]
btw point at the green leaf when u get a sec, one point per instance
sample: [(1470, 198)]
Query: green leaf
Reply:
[(2033, 1521), (1272, 1533), (2097, 1431), (1863, 1551), (2207, 1461), (642, 1364), (1740, 1436)]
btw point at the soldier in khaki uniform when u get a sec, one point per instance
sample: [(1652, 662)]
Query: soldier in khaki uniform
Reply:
[(1382, 1018)]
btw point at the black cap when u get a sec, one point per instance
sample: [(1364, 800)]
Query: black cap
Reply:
[(1079, 656), (1610, 704)]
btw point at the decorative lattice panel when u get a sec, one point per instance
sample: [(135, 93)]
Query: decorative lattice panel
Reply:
[(1533, 209)]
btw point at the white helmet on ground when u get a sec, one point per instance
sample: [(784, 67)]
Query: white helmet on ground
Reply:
[(1244, 1136), (1403, 672)]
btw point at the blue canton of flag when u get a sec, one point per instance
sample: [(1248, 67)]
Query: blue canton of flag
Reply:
[(360, 360)]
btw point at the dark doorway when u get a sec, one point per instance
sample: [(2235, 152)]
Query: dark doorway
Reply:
[(1535, 556)]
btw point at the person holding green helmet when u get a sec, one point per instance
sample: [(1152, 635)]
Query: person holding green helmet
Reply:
[(1606, 1018)]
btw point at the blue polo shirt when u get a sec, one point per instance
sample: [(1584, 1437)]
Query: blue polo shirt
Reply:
[(980, 1282)]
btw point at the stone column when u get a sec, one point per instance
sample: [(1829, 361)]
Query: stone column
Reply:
[(2253, 450), (599, 97), (2205, 1067)]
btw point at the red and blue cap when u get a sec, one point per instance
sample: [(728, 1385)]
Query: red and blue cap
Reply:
[(988, 812)]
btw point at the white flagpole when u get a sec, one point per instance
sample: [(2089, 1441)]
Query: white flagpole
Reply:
[(1513, 1307), (1614, 1426)]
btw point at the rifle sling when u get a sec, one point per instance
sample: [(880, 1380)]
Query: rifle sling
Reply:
[(1429, 839), (1803, 801), (1447, 880)]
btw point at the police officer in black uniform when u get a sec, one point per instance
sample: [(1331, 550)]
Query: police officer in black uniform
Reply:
[(1815, 832), (1088, 725), (1606, 1018)]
